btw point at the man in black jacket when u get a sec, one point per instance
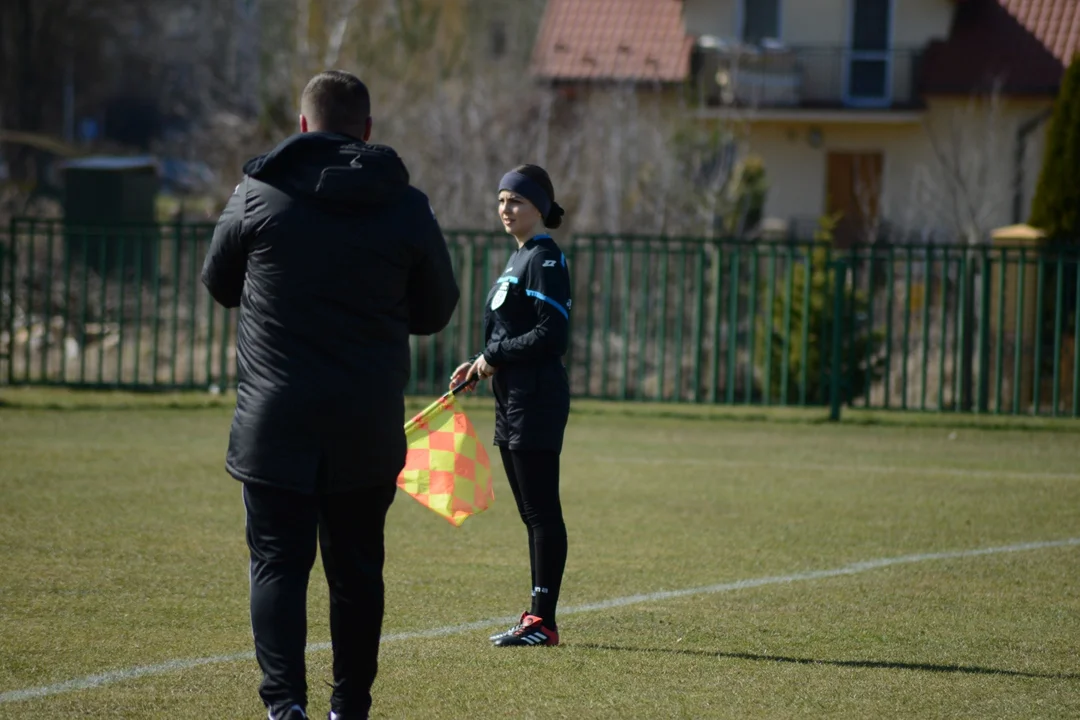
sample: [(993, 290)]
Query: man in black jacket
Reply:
[(334, 260)]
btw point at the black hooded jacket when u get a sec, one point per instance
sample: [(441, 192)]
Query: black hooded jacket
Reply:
[(333, 259)]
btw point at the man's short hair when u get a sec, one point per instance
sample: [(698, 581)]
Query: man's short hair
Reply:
[(336, 101)]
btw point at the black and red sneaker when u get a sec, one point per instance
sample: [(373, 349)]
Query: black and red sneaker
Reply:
[(530, 631), (512, 630)]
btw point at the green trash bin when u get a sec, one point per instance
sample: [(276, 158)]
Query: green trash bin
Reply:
[(109, 207)]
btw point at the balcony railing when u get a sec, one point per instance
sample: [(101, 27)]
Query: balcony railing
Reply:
[(807, 77)]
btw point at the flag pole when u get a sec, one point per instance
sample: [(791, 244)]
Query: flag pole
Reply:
[(462, 386), (440, 403)]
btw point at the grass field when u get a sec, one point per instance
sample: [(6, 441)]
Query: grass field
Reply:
[(123, 560)]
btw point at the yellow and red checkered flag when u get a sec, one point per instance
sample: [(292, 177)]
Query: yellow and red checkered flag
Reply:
[(447, 468)]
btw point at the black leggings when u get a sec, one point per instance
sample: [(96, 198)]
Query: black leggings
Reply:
[(534, 480)]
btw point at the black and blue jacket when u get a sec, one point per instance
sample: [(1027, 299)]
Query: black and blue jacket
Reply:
[(526, 334)]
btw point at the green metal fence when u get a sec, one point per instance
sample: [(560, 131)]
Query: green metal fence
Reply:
[(918, 327)]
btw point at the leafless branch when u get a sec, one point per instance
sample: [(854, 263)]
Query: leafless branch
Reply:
[(963, 189)]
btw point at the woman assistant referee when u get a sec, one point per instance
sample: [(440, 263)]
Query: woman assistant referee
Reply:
[(526, 331)]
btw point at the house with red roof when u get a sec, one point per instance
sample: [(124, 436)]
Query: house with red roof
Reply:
[(876, 111)]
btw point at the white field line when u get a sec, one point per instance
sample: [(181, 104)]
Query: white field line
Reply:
[(114, 676), (883, 469)]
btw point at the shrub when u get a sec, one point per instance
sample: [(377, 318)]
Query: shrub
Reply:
[(858, 342), (1056, 205)]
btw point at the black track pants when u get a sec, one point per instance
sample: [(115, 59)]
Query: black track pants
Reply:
[(282, 529)]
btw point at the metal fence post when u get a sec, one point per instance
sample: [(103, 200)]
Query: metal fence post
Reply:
[(12, 261), (983, 402), (11, 335), (839, 268)]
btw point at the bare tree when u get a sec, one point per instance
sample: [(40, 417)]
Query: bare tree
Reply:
[(451, 86), (963, 189), (41, 43), (961, 193), (868, 199)]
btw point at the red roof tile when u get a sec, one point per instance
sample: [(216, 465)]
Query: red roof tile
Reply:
[(1023, 43), (613, 40), (1056, 24)]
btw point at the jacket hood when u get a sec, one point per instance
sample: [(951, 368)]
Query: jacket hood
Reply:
[(336, 170)]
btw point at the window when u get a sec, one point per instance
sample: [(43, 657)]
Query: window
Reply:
[(760, 20), (870, 25), (869, 71)]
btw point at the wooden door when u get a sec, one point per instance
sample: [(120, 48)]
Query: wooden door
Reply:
[(853, 186)]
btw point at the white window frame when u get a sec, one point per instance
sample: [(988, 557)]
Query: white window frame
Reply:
[(851, 55)]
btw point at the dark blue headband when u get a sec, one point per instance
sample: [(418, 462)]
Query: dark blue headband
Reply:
[(527, 188)]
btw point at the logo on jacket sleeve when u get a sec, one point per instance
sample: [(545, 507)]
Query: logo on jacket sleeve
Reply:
[(549, 263)]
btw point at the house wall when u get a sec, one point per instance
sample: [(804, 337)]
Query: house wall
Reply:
[(711, 17), (915, 192), (815, 22), (822, 22), (917, 22), (914, 189)]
